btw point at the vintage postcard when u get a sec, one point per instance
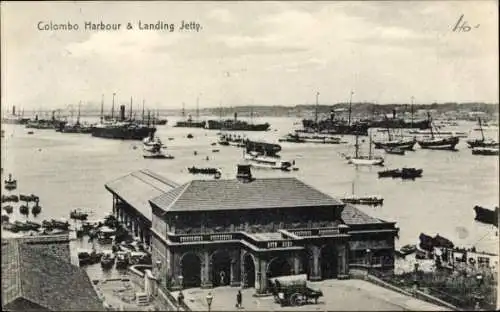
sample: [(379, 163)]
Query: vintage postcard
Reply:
[(249, 155)]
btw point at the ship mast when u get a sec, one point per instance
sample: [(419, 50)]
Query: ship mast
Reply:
[(411, 107), (356, 147), (183, 110), (102, 108), (78, 117), (130, 113), (197, 108), (350, 108), (143, 110), (113, 106), (316, 112), (481, 128)]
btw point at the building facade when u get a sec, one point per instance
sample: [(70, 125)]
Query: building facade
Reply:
[(244, 231)]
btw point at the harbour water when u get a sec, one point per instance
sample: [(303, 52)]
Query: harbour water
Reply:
[(68, 171)]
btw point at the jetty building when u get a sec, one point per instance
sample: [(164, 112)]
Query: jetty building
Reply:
[(244, 231)]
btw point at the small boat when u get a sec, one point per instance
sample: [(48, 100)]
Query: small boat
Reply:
[(482, 142), (408, 249), (105, 235), (107, 259), (215, 150), (5, 219), (34, 226), (442, 143), (24, 210), (30, 132), (488, 216), (157, 155), (189, 136), (78, 214), (364, 200), (10, 198), (394, 150), (267, 162), (122, 260), (486, 151), (24, 226), (86, 256), (54, 224), (35, 210), (209, 171), (10, 227), (152, 141), (411, 173), (155, 152), (390, 173), (10, 184), (364, 160), (28, 198), (8, 209)]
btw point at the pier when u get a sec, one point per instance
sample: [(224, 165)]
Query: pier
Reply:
[(131, 195)]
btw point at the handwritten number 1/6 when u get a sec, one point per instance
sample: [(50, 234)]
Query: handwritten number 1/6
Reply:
[(463, 26)]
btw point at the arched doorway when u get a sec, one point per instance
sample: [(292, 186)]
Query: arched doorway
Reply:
[(221, 268), (249, 271), (279, 266), (191, 270), (328, 262)]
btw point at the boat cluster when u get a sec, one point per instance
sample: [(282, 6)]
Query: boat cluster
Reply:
[(363, 200), (47, 227), (404, 173), (208, 171)]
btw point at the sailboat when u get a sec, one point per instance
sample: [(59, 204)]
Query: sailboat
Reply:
[(373, 200), (443, 143), (402, 143), (369, 160), (483, 142)]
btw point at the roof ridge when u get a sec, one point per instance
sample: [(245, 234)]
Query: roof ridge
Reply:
[(139, 178), (159, 178), (184, 186)]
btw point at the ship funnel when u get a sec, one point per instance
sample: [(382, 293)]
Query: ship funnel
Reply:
[(394, 114), (244, 173), (235, 116), (14, 110), (122, 112)]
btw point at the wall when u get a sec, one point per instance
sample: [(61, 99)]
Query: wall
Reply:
[(55, 245)]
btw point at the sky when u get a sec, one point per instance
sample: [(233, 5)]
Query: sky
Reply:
[(249, 53)]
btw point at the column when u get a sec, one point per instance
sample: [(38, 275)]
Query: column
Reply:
[(315, 263), (235, 270), (262, 276), (342, 261), (296, 264), (206, 271)]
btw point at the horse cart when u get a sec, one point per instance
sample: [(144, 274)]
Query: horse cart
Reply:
[(292, 290)]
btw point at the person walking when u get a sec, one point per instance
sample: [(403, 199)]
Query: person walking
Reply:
[(238, 299)]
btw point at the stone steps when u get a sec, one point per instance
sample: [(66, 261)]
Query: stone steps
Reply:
[(142, 299)]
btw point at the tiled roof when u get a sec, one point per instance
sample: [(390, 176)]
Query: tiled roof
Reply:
[(352, 215), (137, 188), (44, 280), (203, 195)]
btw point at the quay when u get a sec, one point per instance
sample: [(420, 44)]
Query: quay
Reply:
[(241, 232)]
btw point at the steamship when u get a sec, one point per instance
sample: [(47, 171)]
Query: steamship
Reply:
[(122, 130)]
